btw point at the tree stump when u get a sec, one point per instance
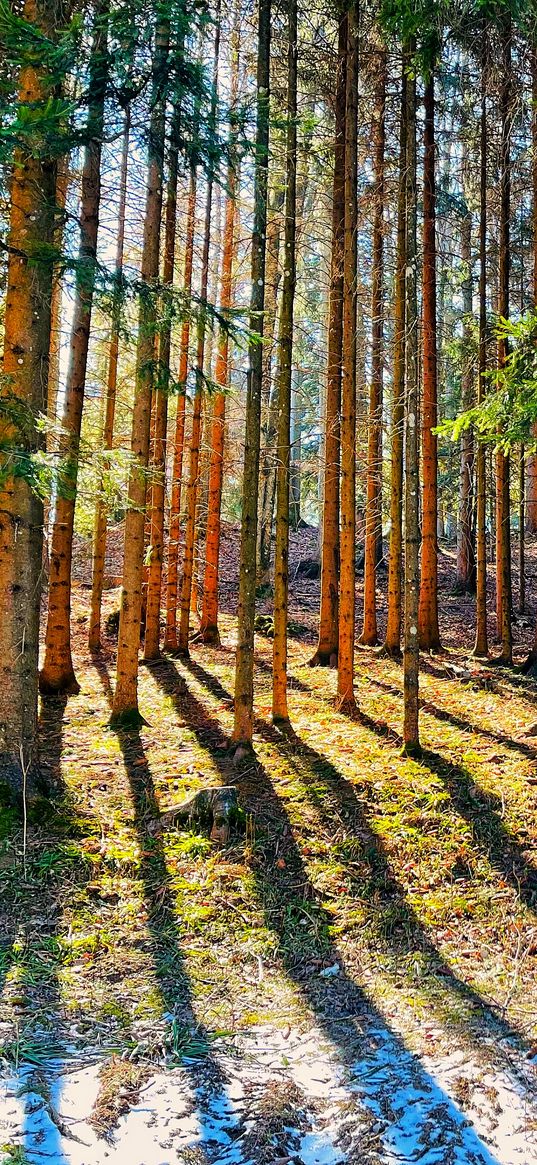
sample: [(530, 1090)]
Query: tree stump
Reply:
[(213, 810)]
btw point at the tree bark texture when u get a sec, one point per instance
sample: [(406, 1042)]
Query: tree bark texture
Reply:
[(531, 485), (411, 738), (209, 614), (125, 703), (373, 507), (392, 643), (327, 646), (100, 524), (345, 688), (172, 577), (57, 675), (503, 506), (285, 353), (428, 601), (195, 441), (158, 480), (244, 669), (481, 640), (465, 525), (25, 367)]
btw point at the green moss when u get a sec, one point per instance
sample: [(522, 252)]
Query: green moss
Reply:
[(13, 1155)]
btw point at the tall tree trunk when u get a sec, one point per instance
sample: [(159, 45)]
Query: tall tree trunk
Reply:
[(195, 440), (428, 600), (202, 493), (327, 646), (280, 713), (170, 636), (269, 466), (62, 184), (412, 566), (99, 530), (158, 483), (244, 668), (56, 303), (125, 703), (25, 366), (392, 644), (465, 535), (373, 512), (209, 615), (503, 517), (345, 689), (295, 466), (269, 408), (481, 639), (521, 525), (531, 488), (58, 674)]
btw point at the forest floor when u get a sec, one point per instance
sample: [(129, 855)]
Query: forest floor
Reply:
[(353, 978)]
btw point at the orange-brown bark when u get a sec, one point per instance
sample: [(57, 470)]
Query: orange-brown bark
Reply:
[(25, 368), (209, 614), (285, 352), (100, 525), (170, 637), (411, 739), (156, 530), (244, 666), (531, 471), (125, 703), (465, 532), (481, 640), (195, 442), (327, 646), (269, 419), (57, 674), (62, 183)]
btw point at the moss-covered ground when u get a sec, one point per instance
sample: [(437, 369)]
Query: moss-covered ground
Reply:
[(360, 881)]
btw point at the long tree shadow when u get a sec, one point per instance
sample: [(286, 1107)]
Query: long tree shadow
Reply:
[(37, 891), (527, 750), (162, 921), (426, 705), (480, 809), (186, 1042), (393, 918), (32, 906), (508, 678), (294, 913), (390, 911), (482, 812), (465, 725)]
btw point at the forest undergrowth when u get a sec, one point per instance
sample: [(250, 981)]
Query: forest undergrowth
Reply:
[(358, 880)]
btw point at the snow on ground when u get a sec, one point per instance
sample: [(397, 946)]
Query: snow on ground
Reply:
[(272, 1100)]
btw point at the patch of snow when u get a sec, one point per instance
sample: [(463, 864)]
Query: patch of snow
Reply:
[(318, 1148), (435, 1111), (425, 1122)]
